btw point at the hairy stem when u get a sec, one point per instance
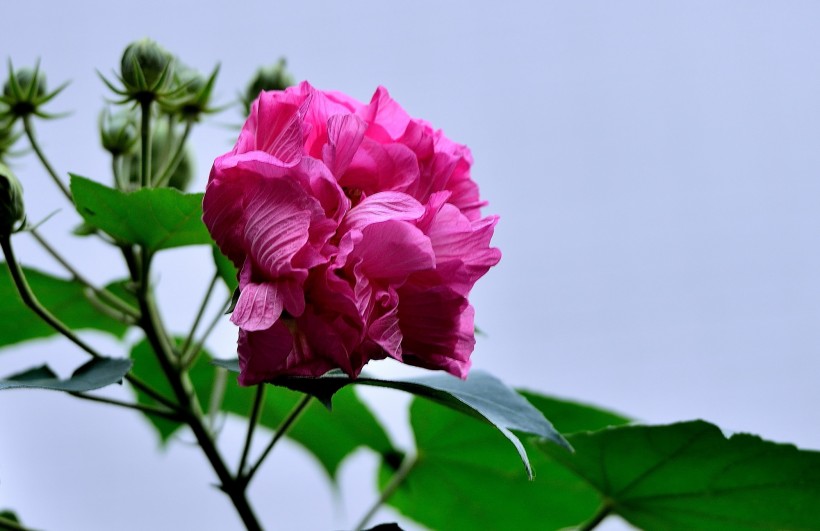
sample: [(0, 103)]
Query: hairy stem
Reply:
[(395, 482), (32, 138)]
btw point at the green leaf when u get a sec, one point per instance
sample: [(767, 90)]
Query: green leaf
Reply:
[(690, 476), (481, 396), (97, 373), (465, 478), (330, 437), (227, 271), (159, 218), (66, 299), (9, 516), (148, 369)]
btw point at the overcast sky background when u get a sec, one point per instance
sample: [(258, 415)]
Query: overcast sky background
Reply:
[(656, 167)]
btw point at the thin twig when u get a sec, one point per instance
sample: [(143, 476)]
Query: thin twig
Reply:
[(188, 358), (102, 293), (36, 147), (200, 313), (395, 482), (168, 171), (144, 408), (252, 422), (145, 143), (283, 429)]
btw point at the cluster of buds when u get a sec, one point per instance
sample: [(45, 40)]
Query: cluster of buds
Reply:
[(25, 93)]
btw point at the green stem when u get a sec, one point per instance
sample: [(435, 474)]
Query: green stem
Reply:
[(599, 517), (116, 171), (103, 294), (283, 429), (32, 138), (145, 144), (30, 300), (217, 394), (144, 408), (179, 154), (252, 422), (395, 482), (200, 313), (189, 357), (186, 396)]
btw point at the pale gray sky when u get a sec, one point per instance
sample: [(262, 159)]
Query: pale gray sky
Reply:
[(655, 166)]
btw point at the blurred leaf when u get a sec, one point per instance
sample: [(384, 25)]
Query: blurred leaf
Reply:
[(225, 268), (159, 218), (10, 516), (690, 476), (64, 298), (481, 395), (330, 437), (95, 374), (148, 369), (464, 477)]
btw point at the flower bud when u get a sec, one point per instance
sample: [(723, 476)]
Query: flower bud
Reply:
[(25, 77), (11, 201), (118, 132), (146, 67), (273, 77)]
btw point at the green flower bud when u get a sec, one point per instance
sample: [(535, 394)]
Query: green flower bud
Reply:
[(11, 202), (118, 131), (25, 77), (273, 77), (146, 67)]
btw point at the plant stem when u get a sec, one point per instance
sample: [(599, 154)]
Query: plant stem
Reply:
[(252, 422), (30, 300), (103, 294), (599, 517), (283, 429), (116, 171), (32, 138), (144, 408), (188, 358), (200, 313), (186, 396), (173, 164), (395, 482), (145, 144)]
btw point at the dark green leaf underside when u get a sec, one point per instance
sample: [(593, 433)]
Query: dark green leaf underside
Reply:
[(95, 374)]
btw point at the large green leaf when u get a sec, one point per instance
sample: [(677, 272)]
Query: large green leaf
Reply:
[(691, 476), (159, 218), (97, 373), (66, 299), (481, 396), (330, 437), (464, 478)]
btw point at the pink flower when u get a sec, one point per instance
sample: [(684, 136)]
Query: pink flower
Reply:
[(357, 233)]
